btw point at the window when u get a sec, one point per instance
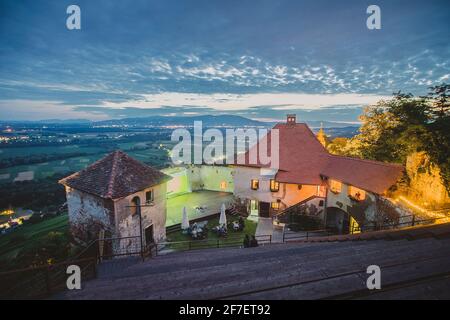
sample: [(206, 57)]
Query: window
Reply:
[(223, 185), (274, 185), (335, 186), (356, 194), (275, 205), (149, 196), (255, 184), (135, 207)]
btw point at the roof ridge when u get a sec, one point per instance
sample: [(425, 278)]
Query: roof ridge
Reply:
[(380, 163), (112, 174)]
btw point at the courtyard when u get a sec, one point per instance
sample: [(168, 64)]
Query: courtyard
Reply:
[(198, 204)]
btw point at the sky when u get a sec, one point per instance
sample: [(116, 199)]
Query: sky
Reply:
[(259, 59)]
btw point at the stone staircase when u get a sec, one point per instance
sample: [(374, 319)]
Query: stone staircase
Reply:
[(335, 268)]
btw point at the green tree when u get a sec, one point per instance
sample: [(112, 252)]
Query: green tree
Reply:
[(392, 129), (439, 100)]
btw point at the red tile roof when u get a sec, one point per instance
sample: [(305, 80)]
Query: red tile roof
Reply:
[(301, 155), (369, 175), (115, 176), (303, 160)]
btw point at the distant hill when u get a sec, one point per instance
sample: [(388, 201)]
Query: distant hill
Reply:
[(207, 120), (334, 132), (333, 129)]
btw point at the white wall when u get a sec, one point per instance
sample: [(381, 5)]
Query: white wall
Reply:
[(333, 200), (289, 194), (212, 176)]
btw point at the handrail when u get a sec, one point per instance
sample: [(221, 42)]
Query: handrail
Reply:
[(411, 223), (307, 235), (283, 212)]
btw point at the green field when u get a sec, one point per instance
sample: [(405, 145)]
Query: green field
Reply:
[(29, 151), (153, 156), (27, 235)]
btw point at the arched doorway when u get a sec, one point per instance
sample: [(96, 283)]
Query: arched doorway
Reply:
[(338, 220), (135, 207)]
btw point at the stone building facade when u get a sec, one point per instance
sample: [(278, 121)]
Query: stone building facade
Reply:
[(117, 196)]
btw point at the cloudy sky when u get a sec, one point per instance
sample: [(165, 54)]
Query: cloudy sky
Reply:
[(260, 59)]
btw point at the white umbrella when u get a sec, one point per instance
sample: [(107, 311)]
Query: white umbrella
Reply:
[(223, 217), (185, 221)]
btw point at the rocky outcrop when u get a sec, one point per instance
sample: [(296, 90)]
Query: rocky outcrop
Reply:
[(425, 183)]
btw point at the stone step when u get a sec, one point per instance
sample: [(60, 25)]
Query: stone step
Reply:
[(289, 266), (229, 283), (253, 253)]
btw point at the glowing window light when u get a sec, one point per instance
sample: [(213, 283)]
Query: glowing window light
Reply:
[(274, 185)]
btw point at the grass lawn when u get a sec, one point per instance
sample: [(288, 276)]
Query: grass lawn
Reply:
[(26, 235), (234, 238)]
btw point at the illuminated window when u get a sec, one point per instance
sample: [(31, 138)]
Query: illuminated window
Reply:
[(149, 196), (223, 185), (275, 205), (274, 185), (356, 193), (255, 184), (335, 186)]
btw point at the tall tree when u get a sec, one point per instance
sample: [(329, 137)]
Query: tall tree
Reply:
[(439, 97)]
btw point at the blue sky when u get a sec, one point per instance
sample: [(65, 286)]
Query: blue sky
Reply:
[(260, 59)]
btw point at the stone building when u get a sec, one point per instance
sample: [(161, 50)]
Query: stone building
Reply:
[(117, 195)]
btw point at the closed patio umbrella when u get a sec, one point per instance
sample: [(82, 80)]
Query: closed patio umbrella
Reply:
[(185, 221), (223, 217)]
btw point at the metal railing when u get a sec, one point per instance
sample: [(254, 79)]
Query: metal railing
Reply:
[(374, 226), (305, 235), (42, 281), (207, 244)]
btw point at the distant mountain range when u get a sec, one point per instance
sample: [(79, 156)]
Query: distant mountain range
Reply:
[(332, 128), (211, 121), (207, 120)]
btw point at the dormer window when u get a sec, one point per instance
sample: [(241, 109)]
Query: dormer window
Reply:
[(335, 186), (356, 194)]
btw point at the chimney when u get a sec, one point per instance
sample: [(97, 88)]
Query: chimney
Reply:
[(291, 119)]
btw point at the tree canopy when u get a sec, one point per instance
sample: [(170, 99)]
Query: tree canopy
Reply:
[(392, 129)]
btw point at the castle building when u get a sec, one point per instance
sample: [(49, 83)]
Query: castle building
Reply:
[(337, 190), (117, 195), (126, 198)]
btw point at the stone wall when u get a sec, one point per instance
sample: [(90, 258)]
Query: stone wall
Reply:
[(88, 214), (154, 214)]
